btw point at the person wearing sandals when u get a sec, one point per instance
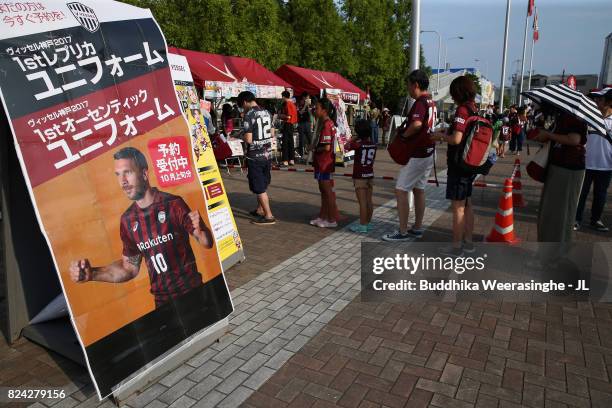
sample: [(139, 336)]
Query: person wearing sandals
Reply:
[(257, 134), (363, 173)]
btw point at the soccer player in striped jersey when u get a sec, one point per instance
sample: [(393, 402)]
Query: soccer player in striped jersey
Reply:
[(155, 227)]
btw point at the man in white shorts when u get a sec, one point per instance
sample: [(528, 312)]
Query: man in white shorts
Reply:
[(413, 176)]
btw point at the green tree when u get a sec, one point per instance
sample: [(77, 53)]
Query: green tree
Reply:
[(365, 40), (476, 81), (380, 34), (195, 25), (258, 27), (318, 38)]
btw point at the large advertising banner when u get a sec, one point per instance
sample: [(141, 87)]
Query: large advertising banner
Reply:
[(219, 211), (111, 170)]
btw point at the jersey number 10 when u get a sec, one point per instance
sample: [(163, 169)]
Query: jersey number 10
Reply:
[(159, 263)]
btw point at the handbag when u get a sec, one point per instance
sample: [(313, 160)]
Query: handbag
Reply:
[(401, 149), (536, 168)]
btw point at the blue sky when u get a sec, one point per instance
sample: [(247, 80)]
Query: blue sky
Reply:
[(572, 33)]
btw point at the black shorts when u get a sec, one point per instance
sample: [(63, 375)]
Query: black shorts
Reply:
[(459, 186), (258, 175)]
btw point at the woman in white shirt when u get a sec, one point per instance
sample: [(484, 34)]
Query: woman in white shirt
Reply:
[(598, 165)]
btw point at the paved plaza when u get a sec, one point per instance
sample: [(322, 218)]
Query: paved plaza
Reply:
[(300, 336)]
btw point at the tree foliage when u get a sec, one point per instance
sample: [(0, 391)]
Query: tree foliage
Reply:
[(476, 81), (365, 40)]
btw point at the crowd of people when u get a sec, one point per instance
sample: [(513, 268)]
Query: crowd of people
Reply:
[(577, 159)]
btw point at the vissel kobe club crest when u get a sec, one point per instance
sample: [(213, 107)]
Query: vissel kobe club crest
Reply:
[(85, 16)]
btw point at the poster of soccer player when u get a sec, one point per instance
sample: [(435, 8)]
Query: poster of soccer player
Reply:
[(110, 168), (220, 213)]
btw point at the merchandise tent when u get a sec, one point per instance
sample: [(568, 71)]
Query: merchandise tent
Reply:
[(222, 77), (315, 82), (345, 96)]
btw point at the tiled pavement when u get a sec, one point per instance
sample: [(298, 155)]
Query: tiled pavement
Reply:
[(298, 343), (456, 354), (277, 313)]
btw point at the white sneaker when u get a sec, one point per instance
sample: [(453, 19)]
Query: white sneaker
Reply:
[(326, 224), (315, 221)]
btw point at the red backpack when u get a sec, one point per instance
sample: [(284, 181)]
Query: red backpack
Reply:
[(475, 146)]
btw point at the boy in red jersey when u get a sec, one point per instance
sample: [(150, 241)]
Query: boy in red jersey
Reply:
[(363, 173), (156, 226)]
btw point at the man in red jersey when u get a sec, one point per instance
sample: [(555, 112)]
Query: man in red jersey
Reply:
[(157, 227), (413, 176)]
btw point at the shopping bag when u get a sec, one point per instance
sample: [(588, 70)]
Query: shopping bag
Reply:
[(536, 168)]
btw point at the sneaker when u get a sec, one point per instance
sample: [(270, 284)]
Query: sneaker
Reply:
[(359, 229), (416, 232), (468, 247), (261, 220), (397, 237), (326, 224), (576, 226), (599, 226), (451, 251), (315, 221)]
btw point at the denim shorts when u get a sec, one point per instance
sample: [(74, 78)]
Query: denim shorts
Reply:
[(258, 175), (323, 176)]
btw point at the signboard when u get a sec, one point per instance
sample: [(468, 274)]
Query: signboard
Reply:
[(228, 240), (110, 168), (347, 97), (220, 89)]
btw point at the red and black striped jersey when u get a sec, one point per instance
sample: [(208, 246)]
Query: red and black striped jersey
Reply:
[(160, 233)]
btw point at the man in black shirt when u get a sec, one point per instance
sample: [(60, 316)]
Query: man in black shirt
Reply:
[(257, 134)]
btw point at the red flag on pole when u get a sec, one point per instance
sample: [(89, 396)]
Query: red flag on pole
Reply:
[(530, 7), (536, 33)]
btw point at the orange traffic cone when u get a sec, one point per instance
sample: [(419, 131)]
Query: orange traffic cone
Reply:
[(503, 230), (517, 187)]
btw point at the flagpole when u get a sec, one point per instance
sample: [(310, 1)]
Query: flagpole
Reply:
[(524, 51), (531, 63), (505, 54)]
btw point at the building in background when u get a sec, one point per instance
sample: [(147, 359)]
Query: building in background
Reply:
[(584, 83), (443, 98)]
